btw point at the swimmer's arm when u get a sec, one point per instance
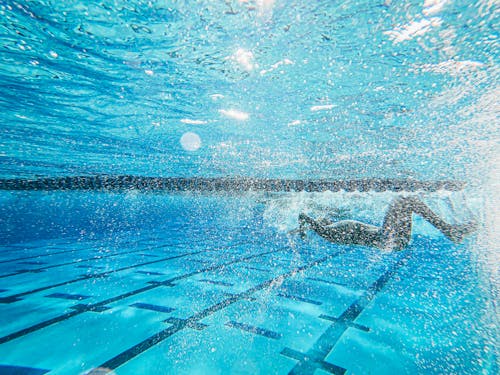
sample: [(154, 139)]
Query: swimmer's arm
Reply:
[(294, 231)]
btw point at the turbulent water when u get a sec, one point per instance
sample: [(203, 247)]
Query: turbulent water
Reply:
[(402, 93), (370, 88)]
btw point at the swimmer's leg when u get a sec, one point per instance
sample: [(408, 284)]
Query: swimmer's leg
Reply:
[(396, 230)]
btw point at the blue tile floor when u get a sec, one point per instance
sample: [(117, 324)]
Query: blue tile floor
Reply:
[(158, 304)]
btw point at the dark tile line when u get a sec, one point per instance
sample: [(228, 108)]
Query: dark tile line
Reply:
[(148, 306), (100, 306), (88, 307), (16, 297), (169, 282), (255, 330), (325, 281), (93, 266), (95, 257), (216, 282), (77, 297), (40, 255), (36, 263), (319, 364), (150, 273), (231, 295), (349, 324), (19, 370), (315, 356), (178, 322), (181, 324), (299, 298), (39, 326), (15, 248), (257, 269), (89, 248), (50, 247)]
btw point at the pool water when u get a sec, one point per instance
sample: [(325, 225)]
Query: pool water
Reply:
[(237, 296), (286, 106)]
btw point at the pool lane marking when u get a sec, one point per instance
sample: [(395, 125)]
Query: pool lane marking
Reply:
[(255, 330), (350, 324), (19, 248), (77, 297), (41, 269), (314, 358), (21, 370), (96, 257), (216, 282), (40, 255), (45, 254), (193, 321), (151, 307), (299, 298), (16, 297), (331, 282), (100, 306)]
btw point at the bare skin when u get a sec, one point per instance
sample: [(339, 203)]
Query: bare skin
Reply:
[(395, 233)]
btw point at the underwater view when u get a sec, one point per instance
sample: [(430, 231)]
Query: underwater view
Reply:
[(249, 187)]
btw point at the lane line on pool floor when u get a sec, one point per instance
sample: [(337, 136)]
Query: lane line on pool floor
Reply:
[(121, 244), (100, 306), (47, 254), (315, 357), (179, 324), (90, 248), (95, 257), (17, 297)]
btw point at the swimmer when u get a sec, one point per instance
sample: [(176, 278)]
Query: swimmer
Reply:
[(395, 233)]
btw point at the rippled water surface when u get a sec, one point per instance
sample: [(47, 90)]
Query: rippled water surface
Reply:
[(270, 87)]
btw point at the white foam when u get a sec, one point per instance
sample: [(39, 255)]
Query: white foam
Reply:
[(413, 29), (451, 67)]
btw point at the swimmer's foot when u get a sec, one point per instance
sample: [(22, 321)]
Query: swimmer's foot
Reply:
[(457, 233)]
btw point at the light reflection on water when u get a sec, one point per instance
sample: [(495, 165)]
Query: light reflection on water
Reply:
[(358, 88)]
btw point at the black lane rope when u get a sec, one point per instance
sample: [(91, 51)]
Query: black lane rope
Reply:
[(222, 184)]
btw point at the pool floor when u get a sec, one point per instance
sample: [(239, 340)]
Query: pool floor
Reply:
[(182, 302)]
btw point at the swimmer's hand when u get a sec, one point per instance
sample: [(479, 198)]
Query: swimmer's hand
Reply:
[(298, 231)]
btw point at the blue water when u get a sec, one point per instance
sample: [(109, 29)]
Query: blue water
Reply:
[(331, 89), (137, 282)]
